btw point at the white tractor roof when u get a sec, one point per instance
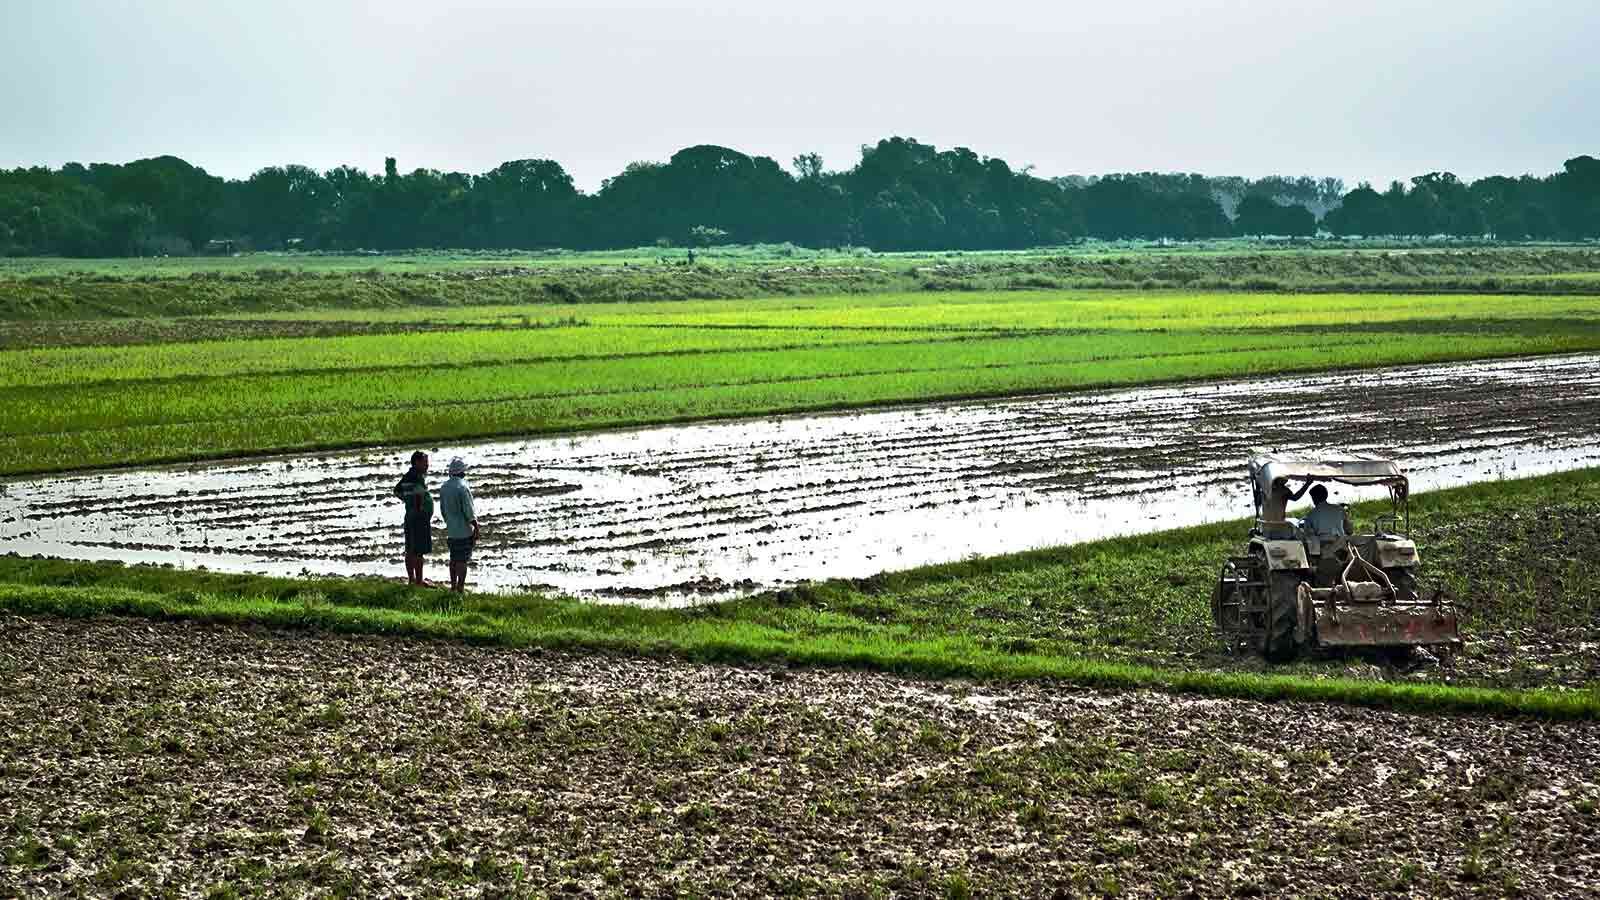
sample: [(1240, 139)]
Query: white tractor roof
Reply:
[(1347, 470)]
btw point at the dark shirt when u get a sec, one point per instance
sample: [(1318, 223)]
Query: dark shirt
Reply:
[(413, 492)]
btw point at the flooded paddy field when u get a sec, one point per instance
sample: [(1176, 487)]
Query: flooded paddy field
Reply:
[(668, 515)]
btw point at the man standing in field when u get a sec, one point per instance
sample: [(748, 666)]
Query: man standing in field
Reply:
[(460, 522), (413, 492)]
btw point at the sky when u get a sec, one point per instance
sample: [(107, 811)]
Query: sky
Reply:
[(1358, 89)]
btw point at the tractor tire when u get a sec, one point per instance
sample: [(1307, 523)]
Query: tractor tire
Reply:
[(1219, 600), (1225, 615), (1280, 644)]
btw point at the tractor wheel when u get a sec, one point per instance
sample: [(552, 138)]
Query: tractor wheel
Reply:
[(1225, 612), (1283, 615), (1219, 603)]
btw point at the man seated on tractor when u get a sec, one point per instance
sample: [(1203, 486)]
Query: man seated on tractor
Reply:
[(1326, 519)]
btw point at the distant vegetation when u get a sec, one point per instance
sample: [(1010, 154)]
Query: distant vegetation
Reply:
[(42, 289), (901, 195)]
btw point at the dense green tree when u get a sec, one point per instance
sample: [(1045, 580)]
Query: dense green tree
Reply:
[(909, 195), (1261, 215), (808, 166), (182, 201), (1363, 212), (1151, 205), (901, 195), (899, 218), (527, 203), (281, 203), (46, 212), (1577, 191)]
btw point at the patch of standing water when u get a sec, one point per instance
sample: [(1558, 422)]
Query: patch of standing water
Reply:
[(666, 516)]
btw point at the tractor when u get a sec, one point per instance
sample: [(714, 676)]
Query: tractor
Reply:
[(1307, 585)]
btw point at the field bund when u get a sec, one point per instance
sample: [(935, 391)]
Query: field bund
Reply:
[(664, 516)]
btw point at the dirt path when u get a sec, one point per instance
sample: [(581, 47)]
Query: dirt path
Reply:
[(141, 757), (662, 515)]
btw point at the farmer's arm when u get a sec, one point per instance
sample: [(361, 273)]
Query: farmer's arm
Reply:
[(467, 511), (1296, 495)]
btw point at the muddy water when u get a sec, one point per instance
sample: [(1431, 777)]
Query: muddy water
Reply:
[(667, 515)]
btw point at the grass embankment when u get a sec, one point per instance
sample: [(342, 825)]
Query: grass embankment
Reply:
[(1123, 613), (537, 369), (1463, 256), (71, 289)]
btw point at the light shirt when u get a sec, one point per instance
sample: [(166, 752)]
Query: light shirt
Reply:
[(1324, 518), (455, 501)]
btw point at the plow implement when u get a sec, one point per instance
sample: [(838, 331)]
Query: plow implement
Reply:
[(1373, 612), (1380, 626)]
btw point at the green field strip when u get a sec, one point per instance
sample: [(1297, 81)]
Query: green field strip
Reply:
[(993, 308), (648, 363), (248, 422), (47, 410), (146, 363)]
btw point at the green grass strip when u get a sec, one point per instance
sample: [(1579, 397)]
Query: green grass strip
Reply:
[(679, 635)]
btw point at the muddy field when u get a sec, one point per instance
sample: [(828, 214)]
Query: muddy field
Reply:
[(140, 757), (668, 515)]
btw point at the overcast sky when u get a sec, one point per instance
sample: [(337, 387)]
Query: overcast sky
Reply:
[(1359, 89)]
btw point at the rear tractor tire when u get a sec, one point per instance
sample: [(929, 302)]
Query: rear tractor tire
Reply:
[(1224, 615), (1281, 642)]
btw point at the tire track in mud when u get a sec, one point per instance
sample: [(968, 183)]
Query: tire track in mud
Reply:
[(666, 515)]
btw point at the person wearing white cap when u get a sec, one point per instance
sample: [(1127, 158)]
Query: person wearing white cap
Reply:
[(460, 522)]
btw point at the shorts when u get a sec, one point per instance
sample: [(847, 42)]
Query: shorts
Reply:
[(460, 549), (419, 539)]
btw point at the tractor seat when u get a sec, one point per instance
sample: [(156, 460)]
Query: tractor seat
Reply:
[(1279, 531), (1313, 543)]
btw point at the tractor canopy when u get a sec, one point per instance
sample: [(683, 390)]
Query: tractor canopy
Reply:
[(1266, 470)]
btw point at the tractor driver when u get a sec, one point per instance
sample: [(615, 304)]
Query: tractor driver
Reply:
[(1325, 519), (1328, 519)]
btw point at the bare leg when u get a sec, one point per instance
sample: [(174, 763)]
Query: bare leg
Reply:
[(413, 568), (458, 577)]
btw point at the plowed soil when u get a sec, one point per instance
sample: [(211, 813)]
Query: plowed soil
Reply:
[(138, 758)]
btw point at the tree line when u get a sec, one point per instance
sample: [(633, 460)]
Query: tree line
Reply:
[(901, 195)]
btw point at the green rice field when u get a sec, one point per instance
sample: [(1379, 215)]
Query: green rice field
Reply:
[(349, 378)]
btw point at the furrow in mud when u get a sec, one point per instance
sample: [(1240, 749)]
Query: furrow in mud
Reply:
[(757, 504)]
